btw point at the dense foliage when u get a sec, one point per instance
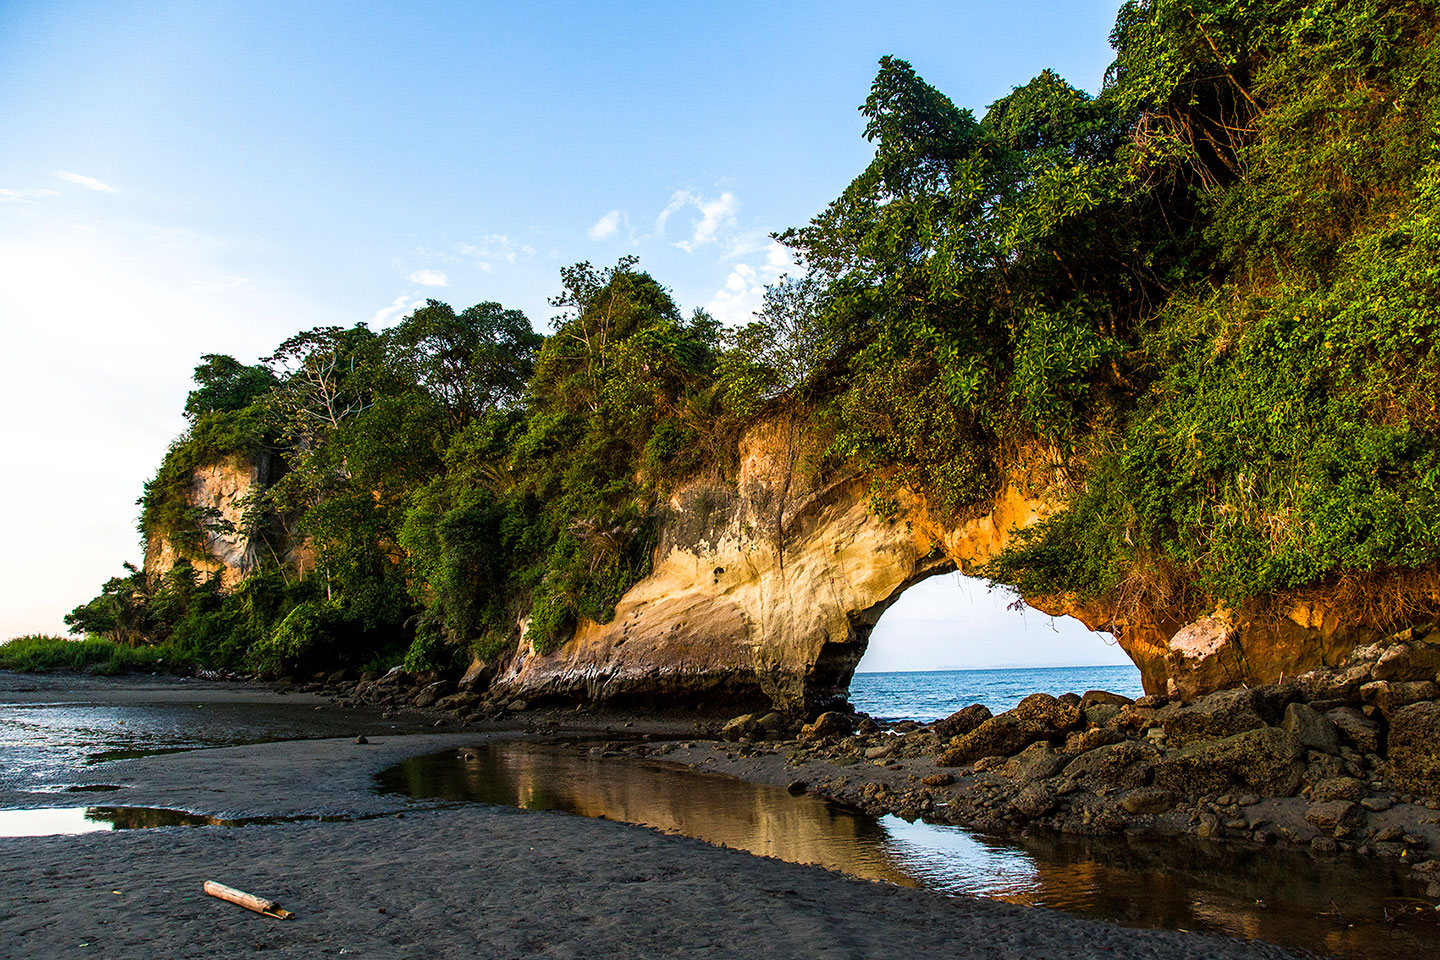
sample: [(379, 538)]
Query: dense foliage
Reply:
[(1205, 295)]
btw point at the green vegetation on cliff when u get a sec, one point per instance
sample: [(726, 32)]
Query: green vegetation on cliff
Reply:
[(1206, 295)]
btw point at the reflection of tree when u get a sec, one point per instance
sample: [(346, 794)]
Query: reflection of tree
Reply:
[(140, 818)]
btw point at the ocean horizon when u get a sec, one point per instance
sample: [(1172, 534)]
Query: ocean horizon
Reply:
[(927, 695)]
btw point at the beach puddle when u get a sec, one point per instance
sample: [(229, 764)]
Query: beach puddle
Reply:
[(1346, 907)]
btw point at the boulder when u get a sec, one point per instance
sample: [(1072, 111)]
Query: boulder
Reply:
[(1332, 814), (1126, 764), (1038, 717), (1099, 714), (1213, 717), (829, 725), (1035, 762), (1311, 728), (431, 693), (1416, 660), (1392, 696), (1104, 698), (1356, 728), (1267, 760), (478, 676), (1147, 800), (1047, 711), (737, 728), (1415, 748), (962, 721), (1035, 800), (1083, 741), (773, 725)]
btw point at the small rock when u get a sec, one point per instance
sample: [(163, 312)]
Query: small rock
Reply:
[(797, 787), (961, 721), (1355, 727), (1376, 804), (1338, 788), (938, 779), (361, 739), (517, 706), (1035, 800)]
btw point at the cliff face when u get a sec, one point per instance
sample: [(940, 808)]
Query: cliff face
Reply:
[(233, 546), (766, 590)]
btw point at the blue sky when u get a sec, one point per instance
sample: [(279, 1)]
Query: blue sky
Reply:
[(187, 178)]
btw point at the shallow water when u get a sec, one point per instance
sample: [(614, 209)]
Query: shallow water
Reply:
[(932, 694), (1283, 897)]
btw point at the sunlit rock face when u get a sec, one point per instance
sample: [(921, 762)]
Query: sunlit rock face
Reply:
[(766, 589), (231, 545)]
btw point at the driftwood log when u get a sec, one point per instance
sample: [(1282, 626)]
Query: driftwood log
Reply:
[(247, 900)]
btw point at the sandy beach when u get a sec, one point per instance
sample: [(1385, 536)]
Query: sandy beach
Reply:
[(396, 877)]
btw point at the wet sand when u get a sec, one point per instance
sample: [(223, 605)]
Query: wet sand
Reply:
[(452, 880)]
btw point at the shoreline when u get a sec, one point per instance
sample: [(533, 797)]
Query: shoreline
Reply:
[(456, 879)]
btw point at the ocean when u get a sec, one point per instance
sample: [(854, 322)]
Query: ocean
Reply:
[(931, 694)]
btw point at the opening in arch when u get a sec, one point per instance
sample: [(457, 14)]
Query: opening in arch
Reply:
[(951, 640)]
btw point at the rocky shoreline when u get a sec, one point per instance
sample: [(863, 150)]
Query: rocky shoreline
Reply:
[(1340, 760)]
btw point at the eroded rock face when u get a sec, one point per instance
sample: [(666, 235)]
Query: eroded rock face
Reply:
[(767, 588)]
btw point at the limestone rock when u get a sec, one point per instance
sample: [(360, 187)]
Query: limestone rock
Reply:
[(1415, 747), (1046, 711), (962, 721), (1215, 716), (739, 727), (1104, 698), (1268, 760), (1311, 728), (1083, 741), (1038, 717)]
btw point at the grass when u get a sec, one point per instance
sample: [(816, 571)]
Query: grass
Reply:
[(42, 654)]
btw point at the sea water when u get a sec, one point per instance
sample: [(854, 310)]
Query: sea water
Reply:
[(931, 694)]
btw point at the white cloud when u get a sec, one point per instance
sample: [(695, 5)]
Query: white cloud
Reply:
[(89, 183), (735, 304), (399, 307), (606, 226), (429, 278), (498, 247), (24, 196), (716, 214)]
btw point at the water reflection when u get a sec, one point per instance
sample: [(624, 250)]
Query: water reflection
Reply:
[(59, 821), (1278, 896)]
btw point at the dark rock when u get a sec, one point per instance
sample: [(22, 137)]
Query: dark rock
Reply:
[(1331, 814), (431, 693), (1356, 728), (336, 678), (797, 787), (868, 727), (1415, 747), (938, 779), (1036, 762), (1376, 804), (1153, 701), (1104, 697), (1001, 736), (361, 739), (1069, 699), (1311, 728), (1267, 760), (517, 706), (1099, 714), (739, 727), (1339, 788), (478, 676), (829, 725), (1121, 765), (1147, 800), (774, 726), (1218, 715), (961, 721), (1035, 800)]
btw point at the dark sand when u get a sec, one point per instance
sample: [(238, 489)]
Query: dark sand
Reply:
[(458, 881)]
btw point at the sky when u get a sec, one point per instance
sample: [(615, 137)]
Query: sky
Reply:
[(211, 177)]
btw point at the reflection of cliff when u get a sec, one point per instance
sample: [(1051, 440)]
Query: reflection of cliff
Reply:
[(719, 810)]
